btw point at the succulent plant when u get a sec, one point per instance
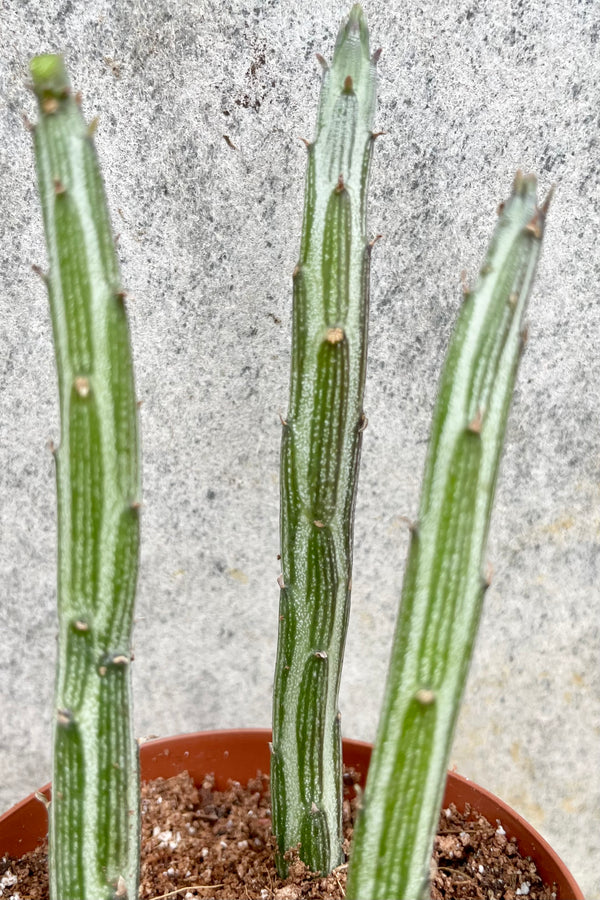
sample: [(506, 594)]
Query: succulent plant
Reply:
[(320, 456), (94, 812), (444, 584)]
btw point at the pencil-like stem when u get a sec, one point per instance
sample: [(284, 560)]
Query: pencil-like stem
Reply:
[(443, 584), (320, 456), (94, 813)]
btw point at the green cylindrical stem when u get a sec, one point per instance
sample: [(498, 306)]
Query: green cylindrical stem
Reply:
[(94, 813), (320, 457), (444, 585)]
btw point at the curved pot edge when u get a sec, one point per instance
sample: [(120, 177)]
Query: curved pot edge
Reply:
[(239, 753)]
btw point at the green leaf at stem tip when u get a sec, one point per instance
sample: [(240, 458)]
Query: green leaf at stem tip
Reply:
[(49, 75)]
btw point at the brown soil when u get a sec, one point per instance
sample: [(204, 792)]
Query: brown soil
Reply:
[(201, 843)]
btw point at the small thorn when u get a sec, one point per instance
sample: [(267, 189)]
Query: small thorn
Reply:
[(322, 62), (348, 85), (534, 226), (338, 716), (335, 335), (283, 421), (50, 105), (513, 299), (546, 204), (476, 422), (318, 523), (281, 582), (51, 447), (464, 283), (82, 386), (306, 143), (296, 271), (489, 574), (139, 404), (81, 625), (93, 126), (362, 425), (425, 697), (340, 184), (135, 505), (524, 335), (40, 272), (78, 98), (500, 208), (122, 295), (42, 798), (349, 584), (373, 241), (121, 890), (320, 654), (376, 56), (279, 556), (314, 809), (27, 123), (64, 717), (413, 525), (59, 187)]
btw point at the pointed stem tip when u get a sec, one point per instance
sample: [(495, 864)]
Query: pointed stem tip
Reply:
[(355, 25)]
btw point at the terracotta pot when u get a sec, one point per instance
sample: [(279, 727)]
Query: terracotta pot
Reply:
[(239, 754)]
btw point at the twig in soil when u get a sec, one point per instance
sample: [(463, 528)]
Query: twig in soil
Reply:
[(191, 887), (466, 826), (454, 872), (340, 885)]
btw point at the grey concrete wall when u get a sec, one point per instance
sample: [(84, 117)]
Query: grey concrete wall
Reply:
[(200, 109)]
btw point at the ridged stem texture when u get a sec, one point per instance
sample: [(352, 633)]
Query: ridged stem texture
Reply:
[(443, 584), (320, 457), (94, 813)]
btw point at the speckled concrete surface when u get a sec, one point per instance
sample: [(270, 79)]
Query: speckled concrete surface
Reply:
[(200, 111)]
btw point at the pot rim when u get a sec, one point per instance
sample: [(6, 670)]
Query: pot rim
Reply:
[(235, 749)]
